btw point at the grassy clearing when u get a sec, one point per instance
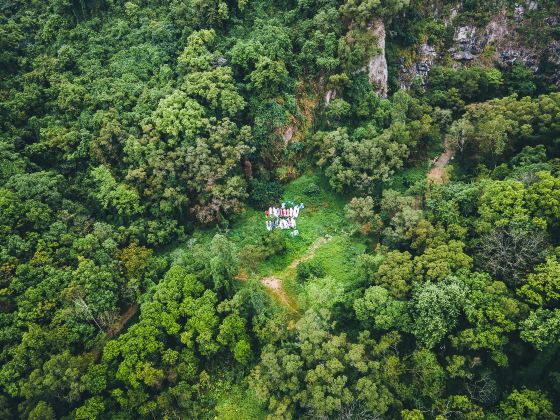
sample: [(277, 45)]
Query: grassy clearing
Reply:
[(337, 256), (323, 236)]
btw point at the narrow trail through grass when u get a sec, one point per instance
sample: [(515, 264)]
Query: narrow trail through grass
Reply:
[(437, 173), (275, 284)]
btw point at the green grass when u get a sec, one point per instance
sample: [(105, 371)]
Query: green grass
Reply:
[(323, 214), (337, 257)]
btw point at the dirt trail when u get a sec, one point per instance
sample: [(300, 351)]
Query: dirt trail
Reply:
[(123, 320), (115, 329), (310, 251), (274, 284), (437, 173)]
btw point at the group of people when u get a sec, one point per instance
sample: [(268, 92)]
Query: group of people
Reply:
[(282, 217)]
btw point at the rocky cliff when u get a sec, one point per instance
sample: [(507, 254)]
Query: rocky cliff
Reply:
[(377, 65), (502, 40)]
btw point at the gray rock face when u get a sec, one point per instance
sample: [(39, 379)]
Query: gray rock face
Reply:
[(426, 55), (329, 96), (532, 5), (288, 134), (469, 42), (518, 12), (377, 65)]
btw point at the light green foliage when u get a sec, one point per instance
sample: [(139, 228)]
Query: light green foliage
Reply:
[(526, 404), (428, 377), (313, 374), (501, 123), (323, 293), (543, 198), (92, 408), (196, 56), (543, 286), (216, 90), (503, 203), (380, 310), (362, 163), (361, 211), (42, 411), (114, 195), (435, 310), (541, 328), (437, 263), (396, 273), (180, 116), (412, 415), (268, 76), (491, 311)]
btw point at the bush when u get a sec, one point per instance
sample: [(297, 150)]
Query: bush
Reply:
[(312, 189), (251, 256), (308, 269), (275, 242)]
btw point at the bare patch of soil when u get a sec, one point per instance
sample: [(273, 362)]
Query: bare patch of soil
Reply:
[(437, 173)]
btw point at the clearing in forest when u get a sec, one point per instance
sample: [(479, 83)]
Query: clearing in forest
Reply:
[(323, 238)]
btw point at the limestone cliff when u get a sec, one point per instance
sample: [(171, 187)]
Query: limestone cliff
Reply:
[(377, 65), (501, 41)]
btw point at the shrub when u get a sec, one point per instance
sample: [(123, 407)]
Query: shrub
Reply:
[(312, 189), (275, 242)]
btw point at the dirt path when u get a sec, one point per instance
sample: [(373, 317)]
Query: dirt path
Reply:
[(437, 173), (123, 320), (274, 284), (116, 328), (310, 251)]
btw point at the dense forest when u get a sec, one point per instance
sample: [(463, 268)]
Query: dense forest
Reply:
[(141, 142)]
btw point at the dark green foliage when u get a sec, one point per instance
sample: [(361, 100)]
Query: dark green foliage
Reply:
[(133, 135), (264, 194), (275, 242)]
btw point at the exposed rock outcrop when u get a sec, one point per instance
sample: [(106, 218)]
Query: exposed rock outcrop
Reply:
[(498, 41), (329, 96), (377, 65)]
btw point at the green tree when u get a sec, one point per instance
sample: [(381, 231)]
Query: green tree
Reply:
[(435, 310), (224, 264), (543, 286), (526, 404), (541, 328)]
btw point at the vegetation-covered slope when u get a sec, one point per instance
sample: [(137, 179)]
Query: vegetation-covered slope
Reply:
[(140, 142)]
